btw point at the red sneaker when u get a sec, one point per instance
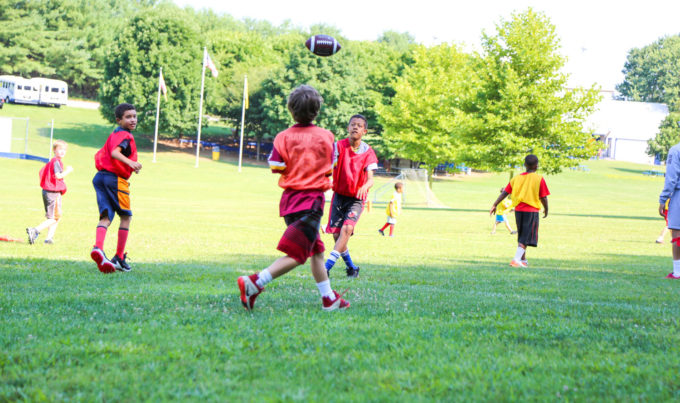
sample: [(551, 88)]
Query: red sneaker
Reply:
[(103, 264), (671, 276), (515, 263), (333, 304), (249, 290)]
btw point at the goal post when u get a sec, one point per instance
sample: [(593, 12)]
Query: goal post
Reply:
[(416, 192)]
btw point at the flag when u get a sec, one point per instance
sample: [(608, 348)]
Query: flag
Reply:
[(161, 85), (209, 64), (245, 93)]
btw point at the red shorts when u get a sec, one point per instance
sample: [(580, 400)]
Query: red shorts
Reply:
[(301, 239)]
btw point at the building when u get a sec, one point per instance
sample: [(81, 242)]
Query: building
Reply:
[(625, 126)]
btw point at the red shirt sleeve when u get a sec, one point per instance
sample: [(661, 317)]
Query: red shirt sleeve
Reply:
[(543, 189), (508, 189), (276, 162)]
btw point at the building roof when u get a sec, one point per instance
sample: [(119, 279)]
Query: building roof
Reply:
[(627, 119)]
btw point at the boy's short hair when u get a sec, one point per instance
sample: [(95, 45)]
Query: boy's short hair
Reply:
[(531, 161), (304, 104), (358, 116), (58, 144), (398, 185), (122, 108)]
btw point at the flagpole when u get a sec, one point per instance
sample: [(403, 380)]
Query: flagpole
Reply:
[(200, 106), (158, 111), (243, 117)]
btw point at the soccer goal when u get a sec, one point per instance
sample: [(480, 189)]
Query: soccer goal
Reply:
[(416, 192), (24, 139)]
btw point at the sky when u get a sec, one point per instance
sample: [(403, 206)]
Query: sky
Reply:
[(595, 35)]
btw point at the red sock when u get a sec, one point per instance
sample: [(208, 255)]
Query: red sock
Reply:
[(101, 235), (122, 240), (384, 226), (391, 229)]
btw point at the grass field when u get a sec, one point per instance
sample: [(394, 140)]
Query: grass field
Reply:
[(437, 314)]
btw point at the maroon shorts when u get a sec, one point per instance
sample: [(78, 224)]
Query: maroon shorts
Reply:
[(301, 239)]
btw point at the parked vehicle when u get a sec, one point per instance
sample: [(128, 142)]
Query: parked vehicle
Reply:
[(51, 92), (37, 91)]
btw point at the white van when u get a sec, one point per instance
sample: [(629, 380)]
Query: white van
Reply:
[(51, 92), (19, 90)]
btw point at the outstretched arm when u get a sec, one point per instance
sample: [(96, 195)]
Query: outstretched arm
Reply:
[(502, 196)]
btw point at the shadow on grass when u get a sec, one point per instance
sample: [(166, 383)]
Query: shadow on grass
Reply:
[(637, 171)]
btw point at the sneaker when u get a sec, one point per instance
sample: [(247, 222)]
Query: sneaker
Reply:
[(103, 264), (526, 263), (352, 272), (672, 277), (515, 263), (381, 232), (32, 235), (49, 241), (513, 232), (249, 290), (333, 304), (121, 264), (660, 240)]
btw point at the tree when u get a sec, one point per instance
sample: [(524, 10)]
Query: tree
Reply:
[(426, 120), (652, 73), (523, 105), (151, 40), (668, 136)]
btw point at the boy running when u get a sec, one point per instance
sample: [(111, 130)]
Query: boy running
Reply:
[(115, 162), (670, 192), (303, 155), (393, 209), (53, 188), (528, 191), (353, 164)]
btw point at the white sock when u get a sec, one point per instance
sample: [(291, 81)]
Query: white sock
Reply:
[(519, 254), (676, 268), (335, 255), (325, 289), (263, 278)]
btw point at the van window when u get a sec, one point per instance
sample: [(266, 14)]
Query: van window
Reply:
[(18, 87), (47, 88), (55, 89), (63, 90)]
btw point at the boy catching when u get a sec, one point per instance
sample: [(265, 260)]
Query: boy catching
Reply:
[(393, 209), (115, 162), (303, 156), (528, 191), (53, 187), (353, 164), (504, 208), (670, 192)]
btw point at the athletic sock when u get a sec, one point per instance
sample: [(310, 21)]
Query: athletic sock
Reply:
[(519, 254), (676, 268), (325, 289), (332, 258), (122, 240), (391, 229), (101, 235), (264, 278), (384, 226), (348, 259)]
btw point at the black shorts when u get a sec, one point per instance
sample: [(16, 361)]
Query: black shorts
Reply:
[(527, 227), (345, 210)]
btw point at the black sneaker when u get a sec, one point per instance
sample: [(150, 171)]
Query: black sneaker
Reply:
[(49, 241), (120, 264), (381, 232), (32, 235), (352, 272)]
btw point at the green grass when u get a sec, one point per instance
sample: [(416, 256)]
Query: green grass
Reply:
[(436, 315)]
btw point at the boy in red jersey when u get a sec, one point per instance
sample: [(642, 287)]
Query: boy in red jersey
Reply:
[(115, 162), (353, 164), (53, 187), (303, 156), (528, 191)]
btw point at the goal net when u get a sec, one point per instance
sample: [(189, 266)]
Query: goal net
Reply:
[(416, 193)]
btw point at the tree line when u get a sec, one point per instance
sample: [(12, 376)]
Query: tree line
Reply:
[(433, 104)]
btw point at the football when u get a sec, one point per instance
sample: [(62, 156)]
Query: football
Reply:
[(323, 45)]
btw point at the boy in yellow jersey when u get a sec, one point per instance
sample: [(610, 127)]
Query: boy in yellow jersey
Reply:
[(529, 192), (504, 208), (393, 209)]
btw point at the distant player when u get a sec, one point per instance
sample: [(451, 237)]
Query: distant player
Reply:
[(353, 164), (115, 162), (53, 188), (504, 208), (303, 156), (671, 192), (393, 209), (529, 192)]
